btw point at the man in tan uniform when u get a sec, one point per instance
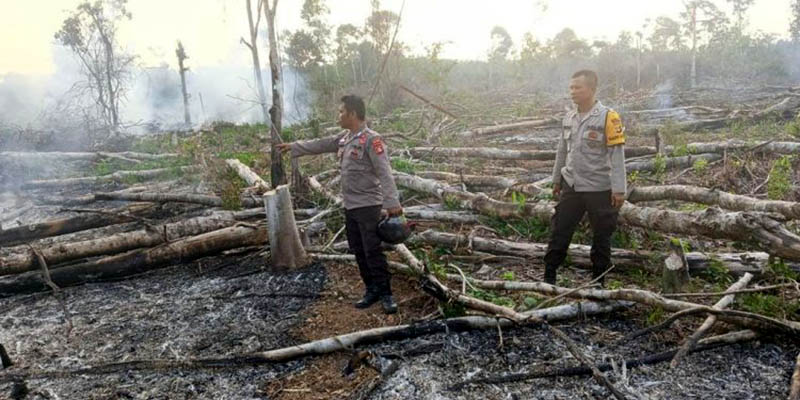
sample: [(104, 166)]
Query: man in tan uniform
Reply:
[(588, 177), (367, 188)]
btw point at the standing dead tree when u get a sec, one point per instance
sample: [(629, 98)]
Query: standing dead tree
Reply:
[(277, 175), (181, 54), (91, 33)]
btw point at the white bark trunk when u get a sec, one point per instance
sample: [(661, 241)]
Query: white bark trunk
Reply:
[(286, 248), (247, 175)]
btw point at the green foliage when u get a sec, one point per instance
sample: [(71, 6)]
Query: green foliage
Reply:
[(680, 150), (453, 310), (656, 316), (778, 269), (507, 276), (767, 304), (624, 239), (614, 284), (491, 297), (530, 302), (717, 272), (518, 199), (403, 165), (659, 166), (531, 228), (451, 203), (780, 178), (700, 166)]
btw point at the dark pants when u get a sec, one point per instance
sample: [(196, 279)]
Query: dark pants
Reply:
[(569, 212), (362, 235)]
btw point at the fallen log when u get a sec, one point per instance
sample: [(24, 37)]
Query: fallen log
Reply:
[(670, 162), (762, 228), (724, 302), (21, 259), (248, 175), (328, 345), (725, 200), (208, 200), (769, 147), (423, 213), (66, 225), (745, 319), (493, 153), (736, 263), (48, 157), (508, 127), (136, 261), (118, 176), (91, 198), (470, 180)]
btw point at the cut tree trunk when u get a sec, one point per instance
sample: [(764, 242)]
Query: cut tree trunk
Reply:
[(670, 162), (286, 248), (137, 261), (49, 157), (118, 176), (725, 200), (735, 144), (756, 227), (470, 180), (248, 175), (91, 198), (63, 226), (21, 259), (675, 274)]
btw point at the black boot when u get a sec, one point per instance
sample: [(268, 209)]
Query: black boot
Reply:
[(389, 306), (550, 274), (370, 298), (596, 272)]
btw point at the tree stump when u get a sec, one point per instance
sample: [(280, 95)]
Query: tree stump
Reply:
[(675, 274), (286, 248)]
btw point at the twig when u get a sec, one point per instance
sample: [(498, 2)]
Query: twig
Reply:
[(596, 374), (426, 101), (388, 53), (713, 294), (334, 238), (590, 283), (56, 290)]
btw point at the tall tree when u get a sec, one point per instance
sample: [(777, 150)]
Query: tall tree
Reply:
[(501, 44), (794, 28), (253, 46), (700, 17), (91, 33), (277, 174), (310, 45), (740, 8), (181, 54)]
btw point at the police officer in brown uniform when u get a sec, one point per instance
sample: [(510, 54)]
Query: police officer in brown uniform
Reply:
[(367, 188), (588, 177)]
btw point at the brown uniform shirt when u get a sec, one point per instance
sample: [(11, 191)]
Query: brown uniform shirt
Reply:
[(364, 161)]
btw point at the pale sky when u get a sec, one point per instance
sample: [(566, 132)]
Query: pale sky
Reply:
[(210, 29)]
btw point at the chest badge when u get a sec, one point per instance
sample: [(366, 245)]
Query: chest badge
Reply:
[(593, 135)]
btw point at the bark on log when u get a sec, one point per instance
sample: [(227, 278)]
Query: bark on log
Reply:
[(493, 153), (762, 228), (137, 261), (248, 175), (286, 248), (48, 157), (91, 198), (724, 302), (115, 177), (671, 162), (736, 144), (509, 127), (725, 200), (66, 225), (745, 319), (470, 180), (21, 259), (422, 213), (208, 200), (736, 263)]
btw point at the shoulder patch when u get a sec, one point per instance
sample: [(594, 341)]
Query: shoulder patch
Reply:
[(615, 132), (377, 145)]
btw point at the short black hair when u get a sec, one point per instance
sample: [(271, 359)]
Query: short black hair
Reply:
[(355, 104), (591, 77)]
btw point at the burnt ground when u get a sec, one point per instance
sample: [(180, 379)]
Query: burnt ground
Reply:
[(230, 305)]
